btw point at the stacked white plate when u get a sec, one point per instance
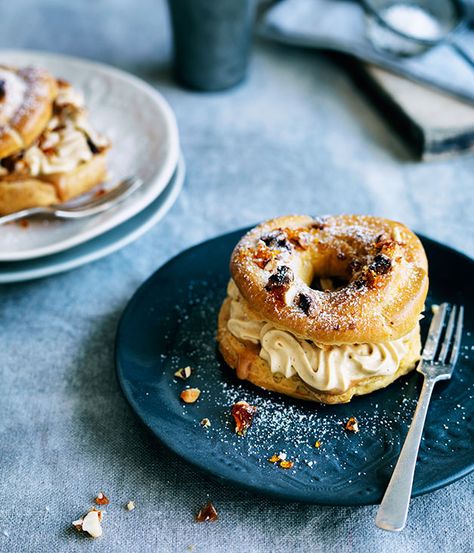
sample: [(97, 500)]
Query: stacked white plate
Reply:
[(145, 142)]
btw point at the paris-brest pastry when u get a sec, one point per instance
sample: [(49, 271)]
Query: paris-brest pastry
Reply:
[(324, 309), (49, 152)]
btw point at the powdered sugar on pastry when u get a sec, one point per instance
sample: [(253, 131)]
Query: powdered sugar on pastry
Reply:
[(13, 97), (385, 279)]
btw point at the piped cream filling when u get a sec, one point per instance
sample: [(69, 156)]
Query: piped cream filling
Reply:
[(71, 149), (330, 368), (64, 144)]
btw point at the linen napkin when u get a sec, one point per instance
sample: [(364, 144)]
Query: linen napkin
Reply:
[(340, 25)]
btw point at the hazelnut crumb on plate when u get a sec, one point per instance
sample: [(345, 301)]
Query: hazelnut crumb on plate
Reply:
[(130, 506), (184, 374), (243, 414), (281, 460), (277, 457), (352, 425), (190, 395)]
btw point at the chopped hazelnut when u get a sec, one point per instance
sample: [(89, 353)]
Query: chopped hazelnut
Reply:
[(276, 458), (207, 513), (101, 499), (205, 422), (130, 506), (352, 425), (317, 444), (90, 523), (286, 464), (183, 373), (262, 256), (190, 395), (243, 414)]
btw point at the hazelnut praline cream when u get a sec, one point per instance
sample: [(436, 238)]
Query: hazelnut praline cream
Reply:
[(330, 368), (355, 333)]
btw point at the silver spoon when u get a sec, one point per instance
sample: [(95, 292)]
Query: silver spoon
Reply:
[(76, 209)]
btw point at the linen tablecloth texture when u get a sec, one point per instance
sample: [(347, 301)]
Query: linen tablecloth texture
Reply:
[(296, 137)]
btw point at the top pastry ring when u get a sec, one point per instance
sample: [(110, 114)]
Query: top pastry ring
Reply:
[(26, 103), (381, 263)]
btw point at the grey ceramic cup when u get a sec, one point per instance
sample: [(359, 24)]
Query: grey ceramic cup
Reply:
[(212, 41)]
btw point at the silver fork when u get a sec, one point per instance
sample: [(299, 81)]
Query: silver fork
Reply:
[(434, 366), (77, 209)]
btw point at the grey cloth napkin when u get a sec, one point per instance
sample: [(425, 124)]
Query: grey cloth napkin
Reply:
[(340, 25)]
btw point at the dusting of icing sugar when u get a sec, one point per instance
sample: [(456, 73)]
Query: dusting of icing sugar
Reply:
[(323, 368), (353, 310), (15, 93), (36, 90), (287, 426)]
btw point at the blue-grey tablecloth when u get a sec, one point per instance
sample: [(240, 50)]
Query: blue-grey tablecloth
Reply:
[(296, 137)]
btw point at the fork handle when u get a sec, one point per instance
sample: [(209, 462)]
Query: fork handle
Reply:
[(392, 513)]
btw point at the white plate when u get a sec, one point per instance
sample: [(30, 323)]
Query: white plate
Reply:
[(101, 246), (145, 142)]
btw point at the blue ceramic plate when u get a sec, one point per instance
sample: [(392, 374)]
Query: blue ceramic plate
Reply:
[(171, 323)]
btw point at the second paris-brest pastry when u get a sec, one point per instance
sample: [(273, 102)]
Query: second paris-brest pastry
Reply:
[(49, 152), (324, 309)]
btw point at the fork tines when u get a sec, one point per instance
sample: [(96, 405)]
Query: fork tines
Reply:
[(436, 350)]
